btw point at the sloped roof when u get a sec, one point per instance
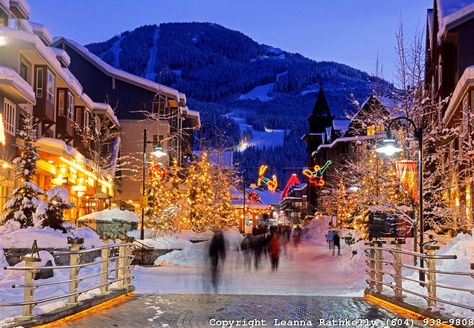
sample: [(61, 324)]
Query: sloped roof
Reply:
[(452, 13), (117, 73)]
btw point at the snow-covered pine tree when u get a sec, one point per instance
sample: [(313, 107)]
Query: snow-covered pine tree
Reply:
[(58, 202), (22, 205)]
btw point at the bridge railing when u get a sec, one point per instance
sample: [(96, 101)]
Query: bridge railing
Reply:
[(386, 268), (115, 269)]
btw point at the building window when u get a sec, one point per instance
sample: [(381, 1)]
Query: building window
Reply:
[(61, 104), (9, 110), (373, 130), (50, 87), (70, 107), (25, 70), (85, 122), (12, 23), (39, 82)]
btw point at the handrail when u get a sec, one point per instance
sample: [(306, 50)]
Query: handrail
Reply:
[(70, 280), (428, 274), (416, 254), (93, 249), (122, 268), (59, 267)]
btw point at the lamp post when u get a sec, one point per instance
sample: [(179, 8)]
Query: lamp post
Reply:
[(157, 152), (390, 148)]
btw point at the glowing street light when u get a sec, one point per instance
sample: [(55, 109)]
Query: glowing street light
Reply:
[(388, 147)]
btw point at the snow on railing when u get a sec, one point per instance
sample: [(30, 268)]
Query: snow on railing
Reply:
[(115, 259), (426, 286)]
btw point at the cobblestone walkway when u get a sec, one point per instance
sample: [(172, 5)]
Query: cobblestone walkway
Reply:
[(210, 310)]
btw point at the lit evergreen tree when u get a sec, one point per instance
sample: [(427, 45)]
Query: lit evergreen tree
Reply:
[(58, 202), (23, 203)]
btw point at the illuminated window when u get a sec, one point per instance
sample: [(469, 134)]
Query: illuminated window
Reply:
[(70, 106), (371, 130), (61, 104), (50, 87), (9, 110), (39, 82)]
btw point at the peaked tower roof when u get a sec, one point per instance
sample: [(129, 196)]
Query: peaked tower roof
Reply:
[(321, 116)]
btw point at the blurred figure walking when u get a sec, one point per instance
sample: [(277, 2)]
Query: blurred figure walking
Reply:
[(216, 252), (274, 250), (246, 248), (336, 243)]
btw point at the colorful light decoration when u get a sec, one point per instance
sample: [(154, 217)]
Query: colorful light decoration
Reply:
[(408, 172), (292, 181), (271, 184), (315, 176), (254, 198), (160, 170)]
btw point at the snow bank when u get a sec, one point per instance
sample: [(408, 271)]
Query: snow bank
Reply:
[(193, 255), (46, 237), (109, 215), (195, 236), (196, 254), (167, 243)]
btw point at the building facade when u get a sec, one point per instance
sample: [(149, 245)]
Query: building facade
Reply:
[(139, 104), (449, 74)]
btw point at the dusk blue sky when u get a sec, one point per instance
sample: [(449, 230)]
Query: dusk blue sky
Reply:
[(346, 31)]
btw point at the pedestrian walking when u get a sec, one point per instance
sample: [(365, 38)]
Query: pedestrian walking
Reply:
[(216, 252), (336, 243), (246, 248), (330, 239), (274, 250), (296, 236)]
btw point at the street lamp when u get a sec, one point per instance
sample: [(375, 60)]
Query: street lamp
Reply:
[(157, 152), (389, 147)]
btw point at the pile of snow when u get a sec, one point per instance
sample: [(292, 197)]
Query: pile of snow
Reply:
[(109, 215), (46, 237), (197, 254), (167, 243), (193, 255), (195, 236)]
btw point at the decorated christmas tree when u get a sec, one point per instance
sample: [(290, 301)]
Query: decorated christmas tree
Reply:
[(58, 202), (221, 187), (199, 211), (23, 203)]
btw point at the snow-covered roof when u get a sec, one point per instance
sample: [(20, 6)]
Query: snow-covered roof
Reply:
[(103, 108), (25, 25), (466, 80), (109, 215), (10, 79), (117, 73), (22, 6), (26, 39), (58, 146), (43, 32), (452, 13), (192, 114), (391, 105), (5, 4), (62, 56), (348, 139)]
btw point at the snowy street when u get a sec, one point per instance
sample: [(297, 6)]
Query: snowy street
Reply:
[(307, 270)]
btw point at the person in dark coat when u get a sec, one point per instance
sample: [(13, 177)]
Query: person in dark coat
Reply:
[(246, 248), (274, 250), (216, 252), (337, 243)]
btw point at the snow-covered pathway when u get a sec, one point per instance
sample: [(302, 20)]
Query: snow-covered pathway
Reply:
[(308, 270)]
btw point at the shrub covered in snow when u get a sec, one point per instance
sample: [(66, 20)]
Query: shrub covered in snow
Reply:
[(53, 212)]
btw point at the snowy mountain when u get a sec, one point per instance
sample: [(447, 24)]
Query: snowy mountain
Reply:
[(236, 82)]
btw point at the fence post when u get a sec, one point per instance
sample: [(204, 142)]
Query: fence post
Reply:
[(121, 272), (29, 278), (74, 259), (397, 268), (371, 267), (378, 267), (104, 268), (431, 266)]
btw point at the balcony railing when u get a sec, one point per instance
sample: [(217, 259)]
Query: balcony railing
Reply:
[(114, 275)]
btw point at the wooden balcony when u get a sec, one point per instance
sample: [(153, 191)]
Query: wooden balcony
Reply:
[(65, 128)]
